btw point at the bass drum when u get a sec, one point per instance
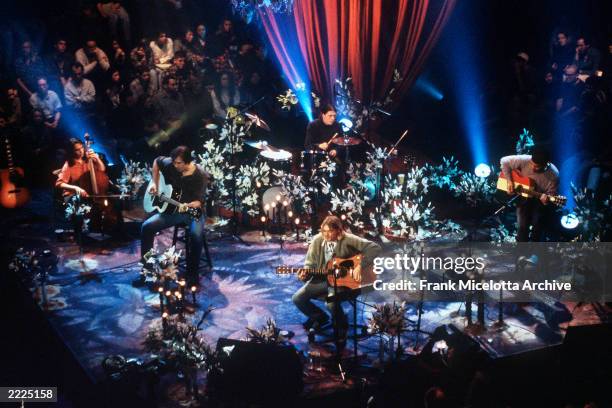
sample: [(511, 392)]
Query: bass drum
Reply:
[(275, 195)]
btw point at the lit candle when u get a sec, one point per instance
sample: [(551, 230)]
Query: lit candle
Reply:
[(285, 204), (297, 229), (160, 290), (263, 225), (193, 293)]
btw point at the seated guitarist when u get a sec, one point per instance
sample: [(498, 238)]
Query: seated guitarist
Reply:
[(189, 181), (531, 212), (72, 172), (331, 242)]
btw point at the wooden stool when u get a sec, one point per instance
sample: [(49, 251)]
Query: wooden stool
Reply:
[(208, 259)]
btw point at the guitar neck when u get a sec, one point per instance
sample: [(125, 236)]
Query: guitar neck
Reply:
[(311, 271), (168, 200)]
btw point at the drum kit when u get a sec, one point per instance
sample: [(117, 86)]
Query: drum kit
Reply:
[(349, 147)]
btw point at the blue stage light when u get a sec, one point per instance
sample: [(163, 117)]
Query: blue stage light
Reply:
[(570, 221), (346, 123), (463, 67), (483, 170), (429, 88)]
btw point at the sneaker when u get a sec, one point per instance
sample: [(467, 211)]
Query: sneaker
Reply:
[(315, 324)]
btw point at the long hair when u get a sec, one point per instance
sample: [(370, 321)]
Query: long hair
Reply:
[(231, 89)]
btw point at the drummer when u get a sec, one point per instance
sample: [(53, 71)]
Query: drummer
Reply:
[(320, 131)]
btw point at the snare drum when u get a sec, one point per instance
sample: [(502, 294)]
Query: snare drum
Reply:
[(278, 160)]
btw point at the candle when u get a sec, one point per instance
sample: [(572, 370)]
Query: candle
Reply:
[(193, 293), (160, 290), (297, 228), (263, 225)]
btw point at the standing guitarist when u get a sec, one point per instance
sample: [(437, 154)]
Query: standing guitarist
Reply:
[(189, 181), (532, 212), (331, 242)]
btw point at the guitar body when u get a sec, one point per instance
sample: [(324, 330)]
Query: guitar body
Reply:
[(13, 194), (150, 202), (525, 183), (525, 187), (346, 268)]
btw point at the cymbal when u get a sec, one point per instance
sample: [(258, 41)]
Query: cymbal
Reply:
[(261, 145), (257, 121), (346, 141)]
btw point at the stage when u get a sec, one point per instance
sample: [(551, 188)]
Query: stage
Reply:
[(94, 309)]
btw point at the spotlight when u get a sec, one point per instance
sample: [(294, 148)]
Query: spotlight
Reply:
[(346, 123), (570, 221), (482, 170)]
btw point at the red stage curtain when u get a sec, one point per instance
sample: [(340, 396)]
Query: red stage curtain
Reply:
[(363, 39)]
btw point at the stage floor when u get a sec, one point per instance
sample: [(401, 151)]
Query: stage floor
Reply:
[(96, 311)]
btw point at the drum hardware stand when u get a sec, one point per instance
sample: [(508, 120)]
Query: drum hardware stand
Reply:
[(232, 139), (417, 330)]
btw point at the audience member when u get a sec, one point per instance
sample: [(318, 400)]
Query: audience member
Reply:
[(142, 88), (59, 63), (168, 105), (587, 58), (28, 68), (48, 103), (94, 61), (116, 15), (163, 51), (225, 95), (562, 54), (80, 92)]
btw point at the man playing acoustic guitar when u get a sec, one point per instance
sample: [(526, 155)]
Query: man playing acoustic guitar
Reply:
[(545, 178), (189, 181), (331, 242)]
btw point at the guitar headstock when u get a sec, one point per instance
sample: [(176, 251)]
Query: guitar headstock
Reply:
[(559, 201), (283, 270)]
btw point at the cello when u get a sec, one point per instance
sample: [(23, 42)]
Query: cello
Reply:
[(105, 216)]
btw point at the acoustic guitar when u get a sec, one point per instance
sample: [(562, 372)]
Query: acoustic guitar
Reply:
[(344, 270), (13, 193), (524, 186), (159, 201)]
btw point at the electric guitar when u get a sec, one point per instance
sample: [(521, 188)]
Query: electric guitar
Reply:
[(159, 201), (344, 270), (524, 186), (13, 193)]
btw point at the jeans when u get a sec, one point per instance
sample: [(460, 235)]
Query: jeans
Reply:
[(319, 290), (530, 213), (195, 230)]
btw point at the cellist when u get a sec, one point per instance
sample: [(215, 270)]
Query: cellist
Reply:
[(71, 176)]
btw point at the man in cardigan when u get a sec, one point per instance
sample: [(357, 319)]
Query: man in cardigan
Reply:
[(331, 242)]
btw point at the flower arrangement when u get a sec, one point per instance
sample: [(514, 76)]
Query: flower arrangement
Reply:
[(133, 177), (388, 319), (249, 180), (268, 334), (476, 190), (296, 191), (78, 213), (177, 344), (162, 267), (348, 202), (525, 143), (595, 216)]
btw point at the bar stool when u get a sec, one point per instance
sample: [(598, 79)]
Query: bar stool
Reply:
[(208, 258)]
